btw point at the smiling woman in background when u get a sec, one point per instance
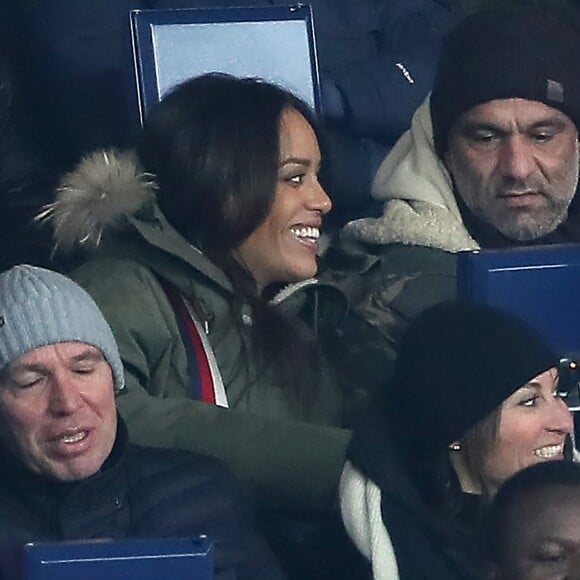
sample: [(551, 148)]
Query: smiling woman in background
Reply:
[(202, 248), (473, 400)]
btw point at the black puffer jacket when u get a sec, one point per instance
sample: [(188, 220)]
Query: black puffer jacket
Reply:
[(139, 492)]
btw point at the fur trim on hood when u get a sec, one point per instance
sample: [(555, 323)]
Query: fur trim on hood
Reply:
[(96, 198), (420, 207)]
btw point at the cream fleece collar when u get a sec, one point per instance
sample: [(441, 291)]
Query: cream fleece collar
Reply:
[(420, 207)]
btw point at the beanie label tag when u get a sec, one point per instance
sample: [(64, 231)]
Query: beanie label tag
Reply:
[(554, 91)]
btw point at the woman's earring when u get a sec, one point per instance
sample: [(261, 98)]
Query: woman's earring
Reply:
[(455, 446)]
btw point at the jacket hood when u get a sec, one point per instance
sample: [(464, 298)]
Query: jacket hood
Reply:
[(107, 193), (96, 199), (420, 207), (412, 171)]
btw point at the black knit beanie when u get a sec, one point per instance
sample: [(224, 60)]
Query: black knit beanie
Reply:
[(457, 363), (513, 51)]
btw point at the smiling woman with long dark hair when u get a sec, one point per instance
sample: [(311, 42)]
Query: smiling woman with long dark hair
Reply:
[(202, 247)]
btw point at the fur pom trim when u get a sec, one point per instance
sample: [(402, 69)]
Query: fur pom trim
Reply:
[(97, 196)]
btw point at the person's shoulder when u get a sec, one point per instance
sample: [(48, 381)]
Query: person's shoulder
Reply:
[(94, 267), (111, 279), (413, 278), (153, 458), (418, 259), (399, 281), (363, 261), (176, 469)]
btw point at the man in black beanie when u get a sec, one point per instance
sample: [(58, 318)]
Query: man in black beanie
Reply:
[(505, 108), (490, 161)]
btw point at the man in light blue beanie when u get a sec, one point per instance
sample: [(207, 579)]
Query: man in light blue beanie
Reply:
[(60, 366), (40, 307), (68, 469)]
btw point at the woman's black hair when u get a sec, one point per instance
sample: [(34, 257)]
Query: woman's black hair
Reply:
[(213, 145)]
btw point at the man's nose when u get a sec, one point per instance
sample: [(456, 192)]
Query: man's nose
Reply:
[(516, 158), (64, 396)]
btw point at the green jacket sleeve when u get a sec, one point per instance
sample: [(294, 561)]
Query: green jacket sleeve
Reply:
[(289, 464)]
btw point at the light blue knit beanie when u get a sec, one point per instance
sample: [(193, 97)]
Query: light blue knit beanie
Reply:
[(39, 307)]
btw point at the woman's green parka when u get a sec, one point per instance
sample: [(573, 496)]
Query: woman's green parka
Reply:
[(289, 448)]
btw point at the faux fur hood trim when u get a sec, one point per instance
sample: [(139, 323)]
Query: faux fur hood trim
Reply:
[(420, 207), (97, 197)]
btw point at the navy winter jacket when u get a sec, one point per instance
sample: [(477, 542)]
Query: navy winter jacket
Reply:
[(139, 492)]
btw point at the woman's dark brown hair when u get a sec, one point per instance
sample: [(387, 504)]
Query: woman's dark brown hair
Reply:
[(213, 145)]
